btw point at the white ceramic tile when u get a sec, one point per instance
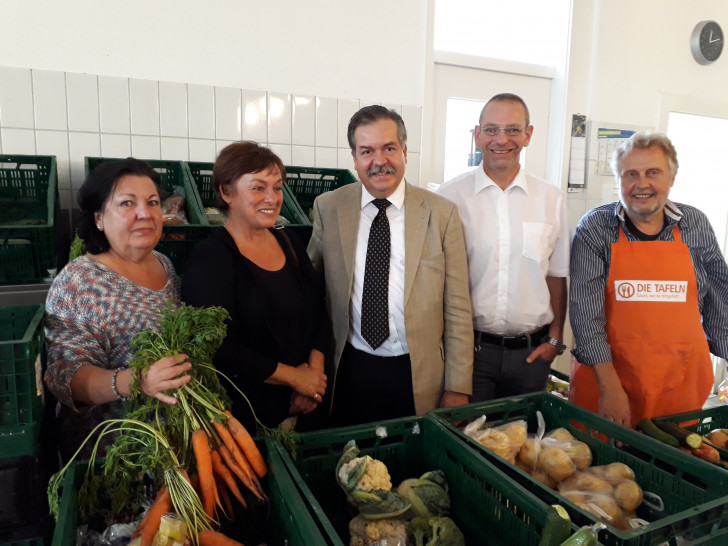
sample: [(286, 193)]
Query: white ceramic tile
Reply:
[(326, 157), (65, 198), (220, 145), (283, 151), (144, 107), (173, 109), (279, 118), (174, 148), (114, 104), (145, 147), (16, 98), (364, 103), (83, 102), (18, 141), (255, 117), (228, 113), (201, 110), (326, 122), (412, 170), (303, 156), (412, 116), (396, 107), (303, 120), (347, 108), (81, 145), (115, 145), (49, 100), (344, 159), (55, 143), (202, 150)]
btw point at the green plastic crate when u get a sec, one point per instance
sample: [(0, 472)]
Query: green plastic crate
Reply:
[(288, 521), (695, 493), (23, 505), (308, 183), (30, 542), (707, 420), (487, 506), (28, 205), (21, 401), (201, 173), (177, 240)]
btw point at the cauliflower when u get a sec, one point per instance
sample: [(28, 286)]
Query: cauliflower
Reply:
[(365, 532), (375, 477)]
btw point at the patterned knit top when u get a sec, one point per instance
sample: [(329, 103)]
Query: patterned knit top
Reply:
[(92, 314)]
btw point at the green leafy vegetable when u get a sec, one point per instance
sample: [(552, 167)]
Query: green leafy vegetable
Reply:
[(437, 531), (427, 494)]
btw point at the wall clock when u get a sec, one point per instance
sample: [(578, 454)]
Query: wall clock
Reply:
[(706, 42)]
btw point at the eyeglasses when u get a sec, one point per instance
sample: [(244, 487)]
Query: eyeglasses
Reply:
[(493, 130)]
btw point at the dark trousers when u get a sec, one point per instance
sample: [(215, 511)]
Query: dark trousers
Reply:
[(371, 388), (499, 372)]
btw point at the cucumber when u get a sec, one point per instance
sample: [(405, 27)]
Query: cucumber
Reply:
[(557, 528), (684, 436), (650, 429)]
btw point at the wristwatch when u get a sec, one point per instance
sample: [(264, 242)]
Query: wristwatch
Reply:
[(560, 347)]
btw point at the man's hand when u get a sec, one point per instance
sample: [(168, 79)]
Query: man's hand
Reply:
[(613, 401), (451, 399), (545, 351)]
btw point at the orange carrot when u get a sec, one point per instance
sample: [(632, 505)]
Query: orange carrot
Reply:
[(213, 538), (244, 476), (246, 443), (222, 491), (204, 470), (224, 472), (149, 525)]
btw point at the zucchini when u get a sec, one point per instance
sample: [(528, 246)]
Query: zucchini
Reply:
[(557, 528), (586, 536), (650, 429), (684, 436)]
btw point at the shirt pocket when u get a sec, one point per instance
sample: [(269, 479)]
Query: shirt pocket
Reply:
[(536, 236)]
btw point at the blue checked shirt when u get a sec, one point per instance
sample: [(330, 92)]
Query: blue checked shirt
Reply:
[(590, 258)]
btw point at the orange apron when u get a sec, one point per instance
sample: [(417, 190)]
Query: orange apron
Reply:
[(654, 328)]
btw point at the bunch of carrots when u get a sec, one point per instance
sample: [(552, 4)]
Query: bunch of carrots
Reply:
[(195, 451)]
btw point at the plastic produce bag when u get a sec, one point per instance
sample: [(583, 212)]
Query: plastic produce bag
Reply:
[(504, 440), (173, 208)]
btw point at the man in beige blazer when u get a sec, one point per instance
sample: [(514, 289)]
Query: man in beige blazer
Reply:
[(426, 357)]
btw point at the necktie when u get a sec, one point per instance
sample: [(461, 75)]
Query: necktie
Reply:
[(375, 297)]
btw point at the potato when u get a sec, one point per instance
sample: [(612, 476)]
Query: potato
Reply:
[(718, 438), (526, 468), (609, 507), (585, 482), (628, 495), (598, 471), (516, 432), (542, 476), (625, 522), (556, 462), (560, 434), (575, 497), (528, 455), (579, 453), (616, 472), (499, 443)]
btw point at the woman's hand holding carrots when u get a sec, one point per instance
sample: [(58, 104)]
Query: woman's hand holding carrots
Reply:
[(166, 374)]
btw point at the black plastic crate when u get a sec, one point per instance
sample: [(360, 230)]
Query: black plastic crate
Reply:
[(488, 507), (307, 183), (177, 240), (23, 502), (28, 210), (695, 493)]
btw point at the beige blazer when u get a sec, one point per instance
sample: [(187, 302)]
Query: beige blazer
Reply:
[(437, 313)]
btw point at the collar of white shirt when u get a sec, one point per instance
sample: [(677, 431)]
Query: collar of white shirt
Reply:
[(397, 198), (483, 181)]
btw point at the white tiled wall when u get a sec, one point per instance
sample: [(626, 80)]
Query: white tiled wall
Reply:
[(73, 115)]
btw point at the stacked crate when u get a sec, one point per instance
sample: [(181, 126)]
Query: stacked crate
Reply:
[(23, 469)]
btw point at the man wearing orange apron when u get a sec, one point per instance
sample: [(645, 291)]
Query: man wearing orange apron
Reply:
[(649, 294)]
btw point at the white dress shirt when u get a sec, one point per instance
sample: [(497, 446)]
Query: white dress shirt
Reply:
[(514, 238), (396, 343)]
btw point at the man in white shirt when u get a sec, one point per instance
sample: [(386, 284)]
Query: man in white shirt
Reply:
[(517, 241), (410, 349)]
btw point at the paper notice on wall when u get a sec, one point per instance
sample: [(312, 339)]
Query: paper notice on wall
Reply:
[(609, 140), (577, 155)]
